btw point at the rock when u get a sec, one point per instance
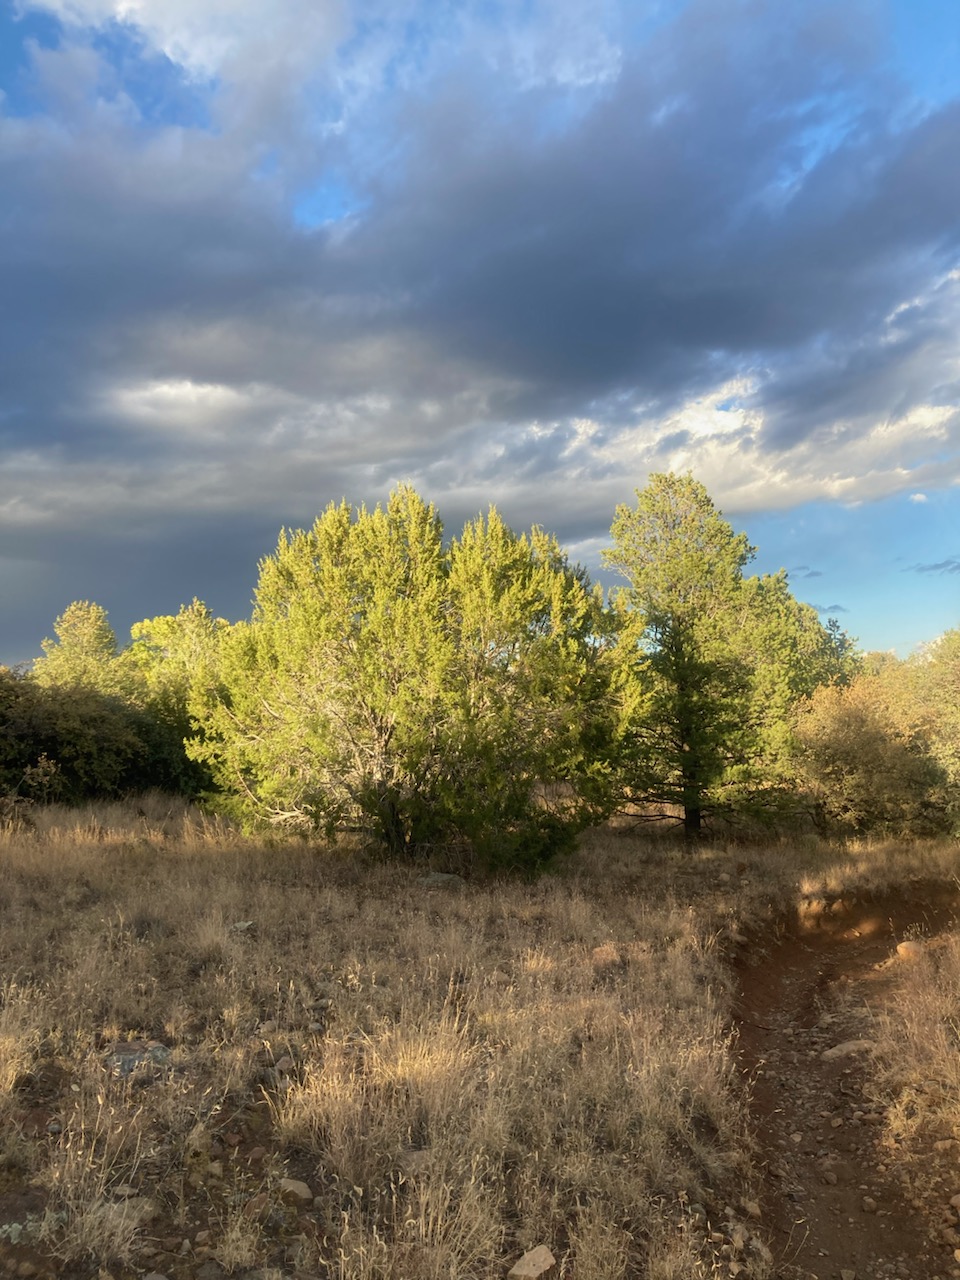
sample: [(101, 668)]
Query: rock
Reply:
[(441, 880), (257, 1206), (256, 1154), (142, 1209), (125, 1191), (830, 1178), (295, 1192), (751, 1208), (535, 1263), (910, 950), (202, 1238), (285, 1064), (154, 1275), (27, 1269), (242, 926), (847, 1275), (868, 1204), (955, 1202), (137, 1056), (209, 1270), (846, 1049)]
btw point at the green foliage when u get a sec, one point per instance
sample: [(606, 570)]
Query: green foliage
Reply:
[(83, 653), (166, 655), (67, 743), (418, 693), (866, 757), (936, 681), (712, 663)]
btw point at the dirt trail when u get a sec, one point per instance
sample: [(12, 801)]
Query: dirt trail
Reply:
[(838, 1202)]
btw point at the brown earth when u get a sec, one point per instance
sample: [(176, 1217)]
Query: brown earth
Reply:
[(842, 1199)]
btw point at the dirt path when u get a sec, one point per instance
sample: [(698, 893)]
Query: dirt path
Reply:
[(838, 1201)]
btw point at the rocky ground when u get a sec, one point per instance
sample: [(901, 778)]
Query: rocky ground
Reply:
[(843, 1200)]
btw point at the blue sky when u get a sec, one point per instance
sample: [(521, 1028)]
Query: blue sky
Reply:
[(257, 256)]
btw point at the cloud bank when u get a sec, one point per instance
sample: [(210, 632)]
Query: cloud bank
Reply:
[(258, 256)]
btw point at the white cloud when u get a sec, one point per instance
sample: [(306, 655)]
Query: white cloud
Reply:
[(918, 497), (211, 37)]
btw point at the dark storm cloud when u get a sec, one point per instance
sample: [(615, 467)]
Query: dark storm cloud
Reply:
[(742, 198)]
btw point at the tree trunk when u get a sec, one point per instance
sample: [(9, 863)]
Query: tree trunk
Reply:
[(692, 823)]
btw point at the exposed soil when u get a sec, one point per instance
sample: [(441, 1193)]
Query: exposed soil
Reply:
[(841, 1199)]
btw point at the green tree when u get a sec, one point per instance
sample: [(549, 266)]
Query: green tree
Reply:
[(92, 742), (936, 681), (167, 655), (712, 663), (419, 693), (687, 688), (84, 651)]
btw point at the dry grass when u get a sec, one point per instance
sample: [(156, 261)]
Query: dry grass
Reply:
[(458, 1075), (918, 1046)]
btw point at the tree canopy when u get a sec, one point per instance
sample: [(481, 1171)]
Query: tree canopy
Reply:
[(475, 694)]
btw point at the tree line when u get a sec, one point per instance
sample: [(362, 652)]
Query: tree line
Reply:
[(477, 694)]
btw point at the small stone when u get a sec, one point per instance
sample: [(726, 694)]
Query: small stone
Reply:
[(955, 1202), (257, 1206), (170, 1244), (830, 1178), (868, 1204), (847, 1275), (836, 1122), (202, 1238), (752, 1208), (846, 1049), (256, 1154), (124, 1191), (443, 880), (233, 1139), (209, 1270), (154, 1275), (26, 1270), (534, 1263), (910, 950), (285, 1064), (141, 1209), (796, 1137), (295, 1192)]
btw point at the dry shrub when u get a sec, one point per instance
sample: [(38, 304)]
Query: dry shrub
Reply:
[(918, 1045), (98, 1151)]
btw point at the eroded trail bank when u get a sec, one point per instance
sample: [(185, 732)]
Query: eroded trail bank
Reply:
[(840, 1200)]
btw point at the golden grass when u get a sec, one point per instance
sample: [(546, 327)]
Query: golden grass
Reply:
[(458, 1075)]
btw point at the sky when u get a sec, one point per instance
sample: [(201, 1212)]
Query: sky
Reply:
[(258, 255)]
